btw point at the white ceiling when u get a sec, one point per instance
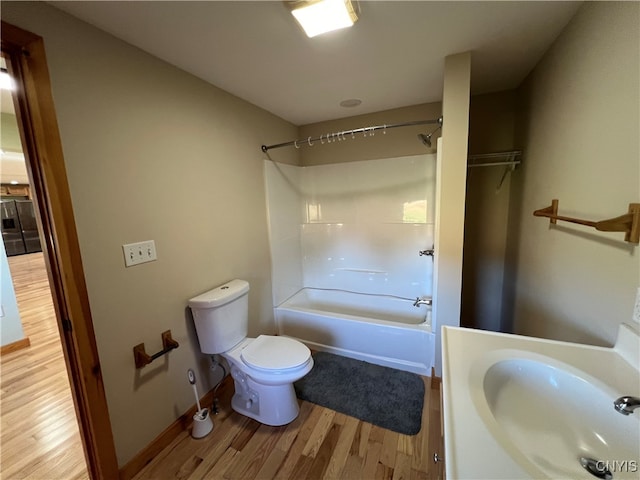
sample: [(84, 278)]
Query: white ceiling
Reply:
[(392, 57)]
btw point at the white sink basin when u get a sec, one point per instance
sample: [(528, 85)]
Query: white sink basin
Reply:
[(548, 416), (517, 407)]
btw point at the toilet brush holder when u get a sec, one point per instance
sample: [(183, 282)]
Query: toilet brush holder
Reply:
[(202, 424)]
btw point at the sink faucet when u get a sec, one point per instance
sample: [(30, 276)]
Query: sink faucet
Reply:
[(626, 405), (422, 301)]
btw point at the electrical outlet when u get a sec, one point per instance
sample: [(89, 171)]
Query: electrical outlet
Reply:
[(140, 252)]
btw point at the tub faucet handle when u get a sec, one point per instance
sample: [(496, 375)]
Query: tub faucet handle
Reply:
[(627, 404), (422, 301)]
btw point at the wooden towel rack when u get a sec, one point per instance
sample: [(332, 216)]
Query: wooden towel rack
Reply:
[(629, 223)]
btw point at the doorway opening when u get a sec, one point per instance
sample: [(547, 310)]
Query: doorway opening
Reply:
[(37, 124), (37, 405)]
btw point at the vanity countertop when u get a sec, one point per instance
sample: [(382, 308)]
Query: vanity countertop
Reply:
[(475, 446)]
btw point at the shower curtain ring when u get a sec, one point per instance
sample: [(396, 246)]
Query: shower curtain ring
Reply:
[(309, 141), (384, 131), (295, 143), (321, 140)]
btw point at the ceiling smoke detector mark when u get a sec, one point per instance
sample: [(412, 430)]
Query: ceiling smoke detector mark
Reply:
[(350, 103)]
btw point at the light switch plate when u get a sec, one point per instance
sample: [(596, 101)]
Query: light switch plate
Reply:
[(139, 252)]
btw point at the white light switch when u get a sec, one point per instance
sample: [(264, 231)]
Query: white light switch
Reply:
[(140, 252)]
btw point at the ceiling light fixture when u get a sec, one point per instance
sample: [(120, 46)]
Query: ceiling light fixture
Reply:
[(321, 16), (350, 103)]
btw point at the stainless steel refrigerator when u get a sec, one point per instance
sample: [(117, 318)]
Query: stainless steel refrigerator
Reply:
[(19, 227)]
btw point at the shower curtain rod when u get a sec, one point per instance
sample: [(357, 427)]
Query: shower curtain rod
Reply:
[(332, 137)]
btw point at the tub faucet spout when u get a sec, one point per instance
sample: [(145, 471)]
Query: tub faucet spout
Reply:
[(422, 301), (626, 405)]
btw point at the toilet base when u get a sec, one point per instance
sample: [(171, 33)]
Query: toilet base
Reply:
[(273, 405)]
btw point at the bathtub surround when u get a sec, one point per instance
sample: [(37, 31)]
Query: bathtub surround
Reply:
[(365, 391), (355, 227), (360, 225)]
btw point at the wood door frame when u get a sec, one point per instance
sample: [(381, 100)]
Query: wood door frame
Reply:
[(40, 137)]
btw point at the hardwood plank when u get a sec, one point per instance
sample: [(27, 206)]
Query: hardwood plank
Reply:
[(402, 467), (371, 460), (324, 453), (383, 472), (38, 413), (290, 464), (271, 464), (301, 468), (389, 448), (420, 459), (342, 448), (223, 464), (293, 429), (222, 439), (320, 443), (365, 431), (249, 461), (319, 432), (353, 468)]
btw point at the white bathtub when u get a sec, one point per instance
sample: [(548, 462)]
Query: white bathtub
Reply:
[(379, 329)]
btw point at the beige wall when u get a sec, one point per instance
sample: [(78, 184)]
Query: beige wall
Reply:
[(154, 153), (491, 129), (397, 142), (9, 134), (581, 143)]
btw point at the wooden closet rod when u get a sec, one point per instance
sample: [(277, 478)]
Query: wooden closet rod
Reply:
[(629, 223)]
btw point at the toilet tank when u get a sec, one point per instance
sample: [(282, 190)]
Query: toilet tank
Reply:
[(221, 316)]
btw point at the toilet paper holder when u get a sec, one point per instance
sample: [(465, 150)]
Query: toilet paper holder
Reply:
[(142, 358)]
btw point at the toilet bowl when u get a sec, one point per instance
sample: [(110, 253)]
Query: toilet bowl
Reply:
[(263, 368)]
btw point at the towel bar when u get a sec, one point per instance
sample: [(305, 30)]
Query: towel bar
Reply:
[(628, 223)]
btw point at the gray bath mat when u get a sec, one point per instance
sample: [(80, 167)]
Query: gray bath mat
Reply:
[(386, 397)]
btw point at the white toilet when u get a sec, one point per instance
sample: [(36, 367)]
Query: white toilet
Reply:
[(263, 368)]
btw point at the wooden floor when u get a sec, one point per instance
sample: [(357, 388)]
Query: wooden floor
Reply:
[(40, 439), (39, 435), (320, 443)]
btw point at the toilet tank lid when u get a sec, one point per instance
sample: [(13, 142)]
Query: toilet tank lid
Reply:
[(220, 295)]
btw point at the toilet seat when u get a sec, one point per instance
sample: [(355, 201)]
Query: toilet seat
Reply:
[(270, 353)]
